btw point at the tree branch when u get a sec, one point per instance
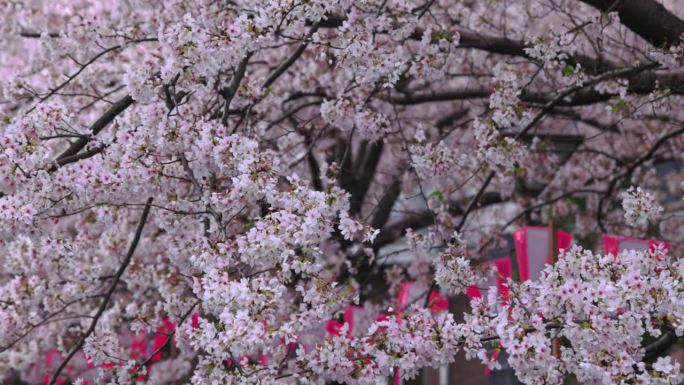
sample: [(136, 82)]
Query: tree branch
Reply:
[(291, 60), (106, 118), (229, 93), (384, 208), (366, 170), (647, 18), (109, 293), (629, 171), (660, 345)]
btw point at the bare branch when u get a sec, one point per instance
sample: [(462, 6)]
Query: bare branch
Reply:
[(229, 93), (647, 18), (106, 118)]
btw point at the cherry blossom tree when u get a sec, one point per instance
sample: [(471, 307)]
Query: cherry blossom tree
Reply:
[(191, 190)]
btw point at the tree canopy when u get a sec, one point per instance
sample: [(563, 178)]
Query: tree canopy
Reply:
[(190, 191)]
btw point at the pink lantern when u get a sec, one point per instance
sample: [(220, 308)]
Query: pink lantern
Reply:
[(533, 249), (614, 244), (496, 278), (409, 293), (333, 327), (412, 292)]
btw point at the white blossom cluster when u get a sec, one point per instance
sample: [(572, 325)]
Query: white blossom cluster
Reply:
[(640, 207), (453, 271), (601, 305)]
